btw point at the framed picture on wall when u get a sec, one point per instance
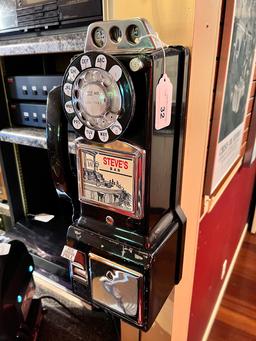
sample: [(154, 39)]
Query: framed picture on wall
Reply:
[(232, 92)]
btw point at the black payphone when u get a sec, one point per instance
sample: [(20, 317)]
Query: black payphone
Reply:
[(126, 98)]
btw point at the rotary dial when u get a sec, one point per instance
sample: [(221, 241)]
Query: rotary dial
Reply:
[(98, 96)]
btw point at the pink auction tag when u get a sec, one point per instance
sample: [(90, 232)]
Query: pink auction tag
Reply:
[(163, 102)]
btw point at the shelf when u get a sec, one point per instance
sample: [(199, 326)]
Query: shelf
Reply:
[(33, 137), (69, 41), (4, 209), (59, 291)]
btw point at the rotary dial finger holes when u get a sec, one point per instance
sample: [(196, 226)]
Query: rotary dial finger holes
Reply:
[(96, 98)]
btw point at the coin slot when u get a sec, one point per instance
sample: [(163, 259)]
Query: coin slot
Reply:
[(115, 34), (133, 34), (99, 37)]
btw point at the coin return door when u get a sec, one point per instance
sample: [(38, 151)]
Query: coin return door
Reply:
[(116, 287)]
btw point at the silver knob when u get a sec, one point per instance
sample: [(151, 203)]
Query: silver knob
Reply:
[(136, 64)]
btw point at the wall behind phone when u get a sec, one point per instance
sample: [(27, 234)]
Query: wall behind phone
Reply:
[(173, 20)]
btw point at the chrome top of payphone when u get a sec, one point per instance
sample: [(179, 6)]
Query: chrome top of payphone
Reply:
[(121, 36)]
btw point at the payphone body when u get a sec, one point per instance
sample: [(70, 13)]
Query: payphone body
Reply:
[(126, 244)]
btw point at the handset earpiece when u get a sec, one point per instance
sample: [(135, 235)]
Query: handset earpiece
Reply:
[(57, 145)]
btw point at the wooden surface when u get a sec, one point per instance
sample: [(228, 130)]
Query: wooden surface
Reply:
[(3, 195), (202, 73), (236, 319)]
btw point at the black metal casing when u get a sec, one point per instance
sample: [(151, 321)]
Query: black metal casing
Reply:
[(150, 247)]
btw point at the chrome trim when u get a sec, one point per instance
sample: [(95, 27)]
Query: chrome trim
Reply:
[(80, 273), (124, 45), (80, 279), (122, 150), (78, 265), (114, 264)]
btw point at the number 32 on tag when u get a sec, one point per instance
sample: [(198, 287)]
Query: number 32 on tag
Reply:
[(163, 102)]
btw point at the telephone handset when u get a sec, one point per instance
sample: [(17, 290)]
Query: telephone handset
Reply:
[(57, 144), (98, 99)]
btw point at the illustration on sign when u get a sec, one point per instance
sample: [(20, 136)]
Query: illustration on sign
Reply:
[(107, 179)]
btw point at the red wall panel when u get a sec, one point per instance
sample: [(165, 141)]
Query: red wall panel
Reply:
[(219, 233)]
